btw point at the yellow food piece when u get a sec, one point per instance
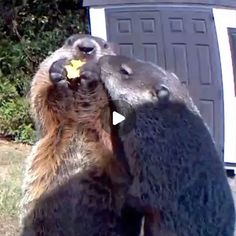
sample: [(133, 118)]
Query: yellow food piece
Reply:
[(77, 63), (73, 70)]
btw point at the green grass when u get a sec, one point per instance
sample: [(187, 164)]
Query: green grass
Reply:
[(11, 165), (10, 191)]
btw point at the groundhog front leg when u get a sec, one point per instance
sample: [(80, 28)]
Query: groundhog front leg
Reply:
[(131, 219), (51, 98)]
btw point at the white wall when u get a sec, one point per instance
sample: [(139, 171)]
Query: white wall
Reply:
[(223, 18), (98, 22), (227, 18)]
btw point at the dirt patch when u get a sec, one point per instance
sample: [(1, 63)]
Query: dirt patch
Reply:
[(9, 226), (5, 144)]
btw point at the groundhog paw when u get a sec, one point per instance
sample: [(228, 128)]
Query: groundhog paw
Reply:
[(57, 72), (89, 74)]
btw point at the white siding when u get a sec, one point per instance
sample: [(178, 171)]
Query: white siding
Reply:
[(98, 22), (223, 19)]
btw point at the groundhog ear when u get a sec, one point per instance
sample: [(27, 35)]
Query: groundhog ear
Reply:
[(163, 93), (125, 69)]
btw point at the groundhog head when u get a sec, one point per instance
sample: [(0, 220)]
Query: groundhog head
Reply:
[(82, 47), (138, 82), (88, 47), (133, 80)]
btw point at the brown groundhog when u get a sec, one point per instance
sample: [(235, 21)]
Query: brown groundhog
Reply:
[(179, 180), (50, 100), (73, 184)]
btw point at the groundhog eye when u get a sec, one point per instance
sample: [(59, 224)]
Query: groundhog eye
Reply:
[(163, 92), (105, 46), (125, 70)]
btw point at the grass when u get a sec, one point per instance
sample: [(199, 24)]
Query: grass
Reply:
[(10, 184), (11, 168), (10, 192)]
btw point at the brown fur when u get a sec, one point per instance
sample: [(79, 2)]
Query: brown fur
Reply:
[(74, 155)]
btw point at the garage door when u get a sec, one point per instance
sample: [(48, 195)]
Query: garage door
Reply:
[(180, 40)]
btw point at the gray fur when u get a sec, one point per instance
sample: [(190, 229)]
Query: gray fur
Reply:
[(66, 189), (172, 156)]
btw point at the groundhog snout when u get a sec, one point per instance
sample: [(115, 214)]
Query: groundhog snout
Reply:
[(86, 46)]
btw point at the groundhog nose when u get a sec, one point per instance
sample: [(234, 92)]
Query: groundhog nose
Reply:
[(86, 46)]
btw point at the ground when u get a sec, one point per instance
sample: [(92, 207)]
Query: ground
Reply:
[(11, 160), (12, 156)]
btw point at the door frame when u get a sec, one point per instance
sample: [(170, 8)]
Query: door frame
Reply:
[(224, 19), (98, 18)]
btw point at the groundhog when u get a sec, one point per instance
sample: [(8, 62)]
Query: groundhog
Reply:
[(73, 184), (50, 103), (179, 180)]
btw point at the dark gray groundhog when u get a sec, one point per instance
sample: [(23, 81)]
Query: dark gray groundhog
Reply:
[(179, 180), (73, 184)]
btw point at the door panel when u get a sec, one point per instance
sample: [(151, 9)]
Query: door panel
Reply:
[(192, 33), (182, 40), (140, 32)]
